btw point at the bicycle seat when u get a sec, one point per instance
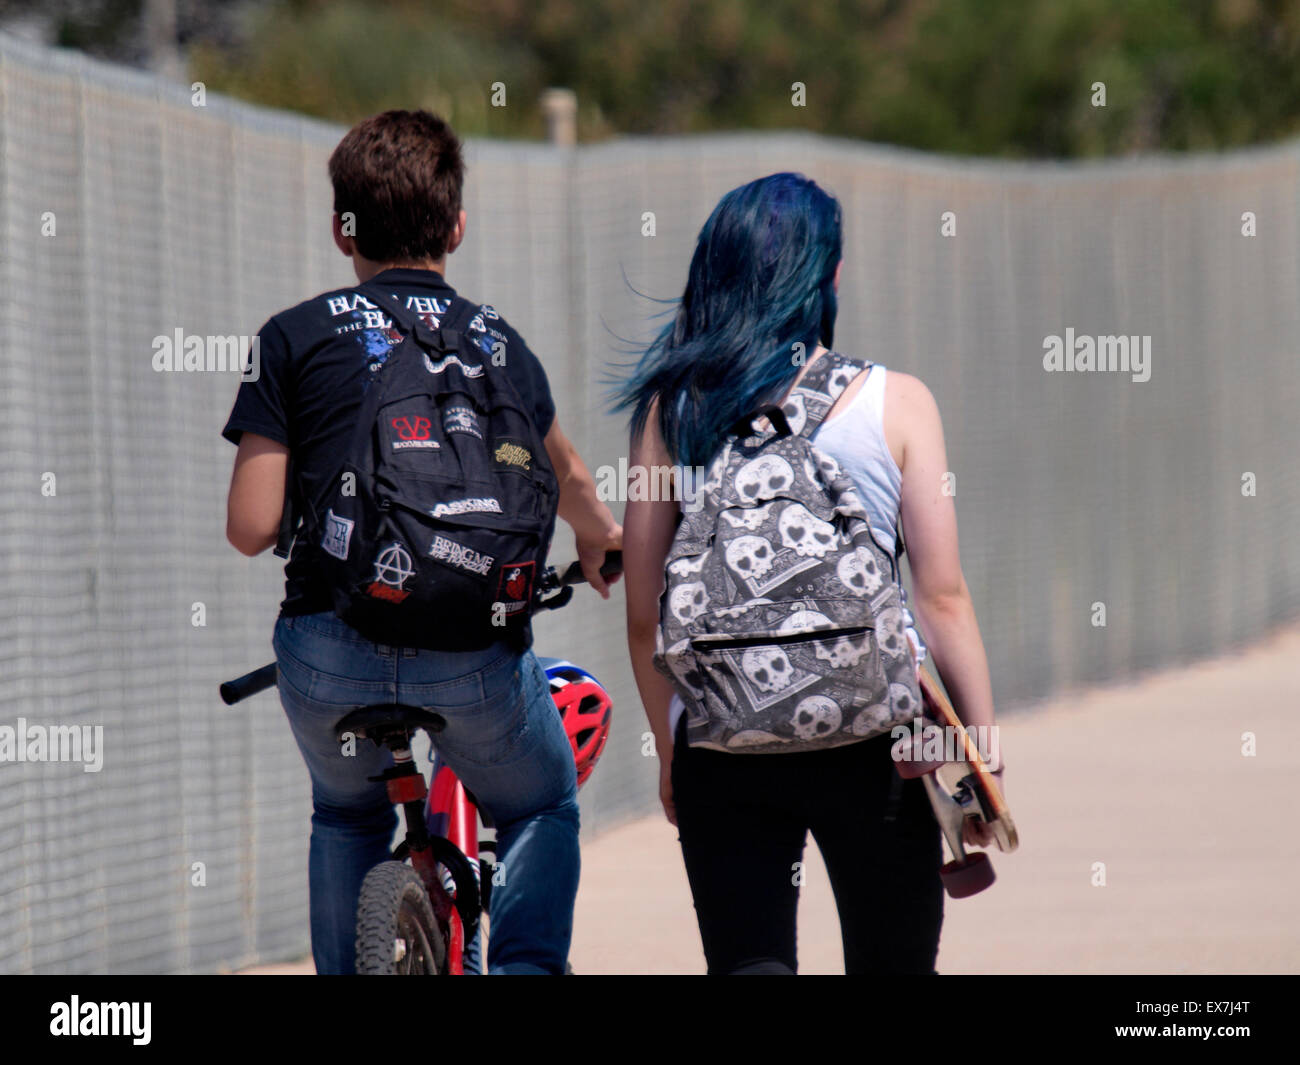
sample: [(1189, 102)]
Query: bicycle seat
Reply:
[(373, 721)]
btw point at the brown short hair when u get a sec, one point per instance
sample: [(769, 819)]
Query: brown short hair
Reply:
[(400, 173)]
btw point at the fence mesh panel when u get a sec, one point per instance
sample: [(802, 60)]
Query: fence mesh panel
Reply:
[(187, 851)]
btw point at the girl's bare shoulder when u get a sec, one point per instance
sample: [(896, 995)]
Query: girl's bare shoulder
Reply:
[(908, 391), (911, 417)]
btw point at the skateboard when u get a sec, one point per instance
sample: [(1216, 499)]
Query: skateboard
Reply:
[(960, 787)]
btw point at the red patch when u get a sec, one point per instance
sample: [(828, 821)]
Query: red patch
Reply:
[(412, 428), (378, 590), (516, 582)]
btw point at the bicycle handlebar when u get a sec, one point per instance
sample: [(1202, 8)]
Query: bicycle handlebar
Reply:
[(553, 591), (555, 588), (240, 688)]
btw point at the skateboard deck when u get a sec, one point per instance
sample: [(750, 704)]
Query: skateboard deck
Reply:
[(960, 788)]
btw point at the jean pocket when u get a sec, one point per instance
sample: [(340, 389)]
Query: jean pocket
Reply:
[(502, 677), (290, 670), (490, 733), (294, 687)]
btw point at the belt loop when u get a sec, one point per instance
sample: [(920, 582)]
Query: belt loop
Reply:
[(410, 652), (383, 650)]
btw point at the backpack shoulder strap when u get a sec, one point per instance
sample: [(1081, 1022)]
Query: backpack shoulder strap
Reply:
[(814, 387), (450, 327), (453, 324)]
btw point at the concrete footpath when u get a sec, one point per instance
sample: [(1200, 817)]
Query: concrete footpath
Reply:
[(1149, 844)]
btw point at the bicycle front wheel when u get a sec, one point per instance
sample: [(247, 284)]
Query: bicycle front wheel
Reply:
[(397, 934)]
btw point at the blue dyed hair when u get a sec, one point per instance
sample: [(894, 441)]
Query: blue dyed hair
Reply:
[(761, 281)]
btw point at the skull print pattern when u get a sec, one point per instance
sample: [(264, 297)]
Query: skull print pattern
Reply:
[(781, 620)]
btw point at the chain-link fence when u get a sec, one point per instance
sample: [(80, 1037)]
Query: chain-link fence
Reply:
[(1108, 525)]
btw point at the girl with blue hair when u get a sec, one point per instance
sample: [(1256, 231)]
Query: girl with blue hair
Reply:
[(758, 311)]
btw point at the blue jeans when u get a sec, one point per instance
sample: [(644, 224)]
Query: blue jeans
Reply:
[(503, 739)]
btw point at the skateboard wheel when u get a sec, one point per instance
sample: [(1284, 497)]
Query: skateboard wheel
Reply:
[(963, 879)]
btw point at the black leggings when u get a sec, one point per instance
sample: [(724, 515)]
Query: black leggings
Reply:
[(742, 821)]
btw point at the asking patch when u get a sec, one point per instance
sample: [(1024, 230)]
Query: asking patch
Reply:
[(476, 505)]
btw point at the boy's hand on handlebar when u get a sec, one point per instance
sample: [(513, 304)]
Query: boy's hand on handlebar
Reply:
[(591, 556)]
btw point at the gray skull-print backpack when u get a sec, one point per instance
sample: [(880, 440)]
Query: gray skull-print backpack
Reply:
[(781, 622)]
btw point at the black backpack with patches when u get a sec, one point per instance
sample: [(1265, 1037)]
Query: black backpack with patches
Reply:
[(437, 524)]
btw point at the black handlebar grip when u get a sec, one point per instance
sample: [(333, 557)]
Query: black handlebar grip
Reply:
[(249, 684), (611, 567)]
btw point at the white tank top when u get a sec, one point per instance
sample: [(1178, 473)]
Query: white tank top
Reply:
[(855, 438)]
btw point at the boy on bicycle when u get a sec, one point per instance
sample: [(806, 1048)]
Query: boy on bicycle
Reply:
[(397, 180)]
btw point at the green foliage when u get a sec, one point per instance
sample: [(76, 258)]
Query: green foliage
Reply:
[(348, 59), (990, 77)]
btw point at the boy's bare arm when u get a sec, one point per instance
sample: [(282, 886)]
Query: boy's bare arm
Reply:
[(594, 527), (256, 498)]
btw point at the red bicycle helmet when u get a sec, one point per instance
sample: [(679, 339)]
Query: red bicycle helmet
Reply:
[(585, 708)]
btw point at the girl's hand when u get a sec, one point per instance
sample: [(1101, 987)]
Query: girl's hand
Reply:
[(977, 833), (666, 787)]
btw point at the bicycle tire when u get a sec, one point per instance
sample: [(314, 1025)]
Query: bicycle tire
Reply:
[(397, 934)]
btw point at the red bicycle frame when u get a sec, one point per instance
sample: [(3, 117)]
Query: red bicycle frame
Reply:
[(451, 814)]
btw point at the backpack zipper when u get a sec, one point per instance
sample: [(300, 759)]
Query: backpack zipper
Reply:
[(709, 642)]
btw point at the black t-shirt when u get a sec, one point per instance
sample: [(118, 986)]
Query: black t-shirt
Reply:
[(315, 359)]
